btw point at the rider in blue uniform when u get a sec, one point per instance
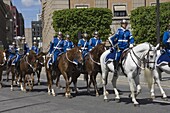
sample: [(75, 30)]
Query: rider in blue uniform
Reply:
[(122, 40), (26, 47), (16, 54), (35, 48), (68, 44), (84, 44), (12, 51), (166, 40), (56, 48), (94, 41)]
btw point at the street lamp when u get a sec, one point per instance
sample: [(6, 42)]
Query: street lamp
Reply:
[(35, 38), (157, 21)]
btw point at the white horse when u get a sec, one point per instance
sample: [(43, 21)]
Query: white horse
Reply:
[(132, 67), (156, 72)]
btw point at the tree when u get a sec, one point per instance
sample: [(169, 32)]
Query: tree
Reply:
[(73, 21), (143, 22)]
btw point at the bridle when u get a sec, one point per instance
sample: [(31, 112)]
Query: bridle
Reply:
[(140, 59)]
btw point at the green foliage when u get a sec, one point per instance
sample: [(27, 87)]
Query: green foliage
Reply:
[(143, 22), (72, 21)]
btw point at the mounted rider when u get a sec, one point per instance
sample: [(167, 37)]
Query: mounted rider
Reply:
[(122, 40), (26, 47), (12, 52), (166, 40), (94, 41), (68, 44), (84, 44), (35, 48), (56, 48), (17, 55)]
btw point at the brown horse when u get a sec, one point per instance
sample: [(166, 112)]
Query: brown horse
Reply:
[(26, 68), (92, 65), (40, 62), (66, 67), (2, 63)]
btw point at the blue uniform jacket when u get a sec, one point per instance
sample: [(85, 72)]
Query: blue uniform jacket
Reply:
[(35, 49), (93, 42), (123, 38), (166, 39), (68, 45), (84, 44)]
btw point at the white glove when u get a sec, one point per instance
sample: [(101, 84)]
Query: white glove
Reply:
[(50, 55), (27, 53), (18, 49), (131, 46)]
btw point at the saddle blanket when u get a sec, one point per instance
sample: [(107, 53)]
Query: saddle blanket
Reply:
[(164, 58), (110, 57)]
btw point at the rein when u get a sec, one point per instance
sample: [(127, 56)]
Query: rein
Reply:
[(93, 60), (29, 63), (68, 58), (137, 59)]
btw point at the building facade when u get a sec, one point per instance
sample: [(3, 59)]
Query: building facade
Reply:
[(28, 36), (37, 32), (121, 9), (3, 32), (11, 23)]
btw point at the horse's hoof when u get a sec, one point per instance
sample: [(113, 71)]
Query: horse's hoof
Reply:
[(49, 93), (117, 100), (152, 97), (0, 86), (54, 95), (39, 83), (165, 98), (136, 105), (97, 94), (106, 100)]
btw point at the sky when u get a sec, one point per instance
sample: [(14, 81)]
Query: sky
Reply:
[(29, 10)]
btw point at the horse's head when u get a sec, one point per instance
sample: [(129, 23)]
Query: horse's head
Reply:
[(98, 50), (76, 54), (40, 60), (151, 57), (32, 57)]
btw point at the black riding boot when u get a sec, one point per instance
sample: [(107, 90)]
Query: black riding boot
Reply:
[(116, 64)]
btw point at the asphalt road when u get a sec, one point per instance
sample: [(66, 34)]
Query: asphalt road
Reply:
[(38, 101)]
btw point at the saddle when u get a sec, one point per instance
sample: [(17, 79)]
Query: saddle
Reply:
[(163, 59)]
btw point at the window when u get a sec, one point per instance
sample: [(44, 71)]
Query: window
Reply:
[(81, 6), (119, 10)]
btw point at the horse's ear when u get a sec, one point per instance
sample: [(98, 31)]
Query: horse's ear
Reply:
[(157, 46)]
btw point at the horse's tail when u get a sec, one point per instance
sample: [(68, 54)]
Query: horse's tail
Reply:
[(148, 77)]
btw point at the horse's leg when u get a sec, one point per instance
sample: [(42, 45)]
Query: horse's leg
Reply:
[(132, 89), (13, 77), (88, 88), (38, 75), (0, 77), (136, 80), (104, 81), (93, 76), (7, 73), (114, 80), (25, 81), (156, 77), (58, 81), (67, 93), (50, 83)]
